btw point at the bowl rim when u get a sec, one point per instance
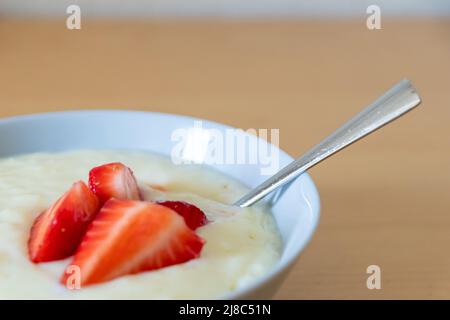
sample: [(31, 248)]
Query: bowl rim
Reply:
[(281, 267)]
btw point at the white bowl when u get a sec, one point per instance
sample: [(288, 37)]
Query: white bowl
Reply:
[(296, 212)]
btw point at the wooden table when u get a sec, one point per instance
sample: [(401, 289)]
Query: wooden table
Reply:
[(386, 201)]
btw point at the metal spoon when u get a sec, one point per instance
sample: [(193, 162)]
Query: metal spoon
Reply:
[(398, 100)]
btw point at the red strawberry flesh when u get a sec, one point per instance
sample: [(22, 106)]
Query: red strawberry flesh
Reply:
[(128, 237), (113, 180), (57, 232), (193, 216)]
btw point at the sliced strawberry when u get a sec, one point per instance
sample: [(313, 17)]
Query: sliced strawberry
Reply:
[(193, 216), (128, 237), (113, 180), (57, 232)]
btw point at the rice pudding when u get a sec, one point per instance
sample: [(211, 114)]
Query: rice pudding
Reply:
[(240, 244)]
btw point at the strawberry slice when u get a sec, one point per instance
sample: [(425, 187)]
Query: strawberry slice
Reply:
[(128, 237), (193, 216), (57, 232), (113, 180)]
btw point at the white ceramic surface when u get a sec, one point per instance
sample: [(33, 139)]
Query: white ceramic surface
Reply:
[(296, 212)]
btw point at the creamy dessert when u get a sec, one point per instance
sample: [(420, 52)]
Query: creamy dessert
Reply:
[(190, 244)]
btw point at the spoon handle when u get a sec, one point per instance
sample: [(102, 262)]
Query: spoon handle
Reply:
[(398, 100)]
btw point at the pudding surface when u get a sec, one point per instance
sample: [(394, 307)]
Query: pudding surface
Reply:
[(241, 244)]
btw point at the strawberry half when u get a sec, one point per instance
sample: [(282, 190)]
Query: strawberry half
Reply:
[(128, 237), (113, 180), (57, 232), (193, 216)]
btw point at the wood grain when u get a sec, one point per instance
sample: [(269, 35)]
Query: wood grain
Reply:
[(386, 201)]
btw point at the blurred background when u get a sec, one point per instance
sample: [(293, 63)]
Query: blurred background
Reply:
[(301, 66)]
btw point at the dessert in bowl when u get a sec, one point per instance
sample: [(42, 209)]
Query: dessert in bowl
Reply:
[(216, 250)]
